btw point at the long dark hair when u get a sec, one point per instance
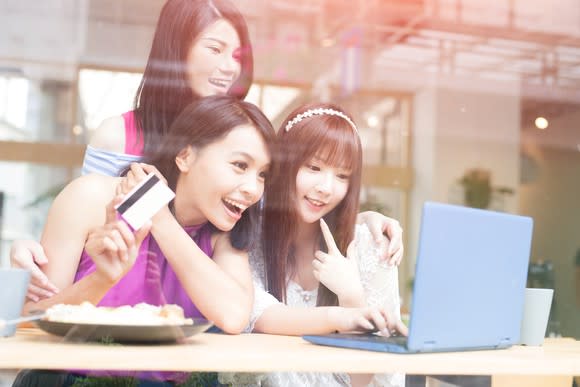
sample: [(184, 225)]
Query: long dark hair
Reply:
[(164, 90), (334, 140), (201, 123)]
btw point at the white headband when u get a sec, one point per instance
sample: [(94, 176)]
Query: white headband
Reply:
[(320, 112)]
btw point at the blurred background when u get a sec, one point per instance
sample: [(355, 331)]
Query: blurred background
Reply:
[(471, 102)]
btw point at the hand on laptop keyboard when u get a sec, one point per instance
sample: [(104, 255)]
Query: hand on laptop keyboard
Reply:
[(369, 319)]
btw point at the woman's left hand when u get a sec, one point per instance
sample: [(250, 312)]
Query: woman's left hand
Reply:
[(338, 273), (387, 232), (137, 172)]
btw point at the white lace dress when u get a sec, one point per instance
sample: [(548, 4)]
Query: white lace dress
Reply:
[(381, 285)]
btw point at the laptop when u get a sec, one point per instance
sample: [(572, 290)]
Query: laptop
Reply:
[(470, 279)]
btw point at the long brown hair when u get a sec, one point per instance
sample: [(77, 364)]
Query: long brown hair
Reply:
[(164, 90), (334, 139), (201, 123)]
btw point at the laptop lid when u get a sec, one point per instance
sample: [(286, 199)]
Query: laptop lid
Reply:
[(470, 279)]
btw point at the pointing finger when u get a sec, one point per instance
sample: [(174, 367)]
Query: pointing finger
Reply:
[(328, 238)]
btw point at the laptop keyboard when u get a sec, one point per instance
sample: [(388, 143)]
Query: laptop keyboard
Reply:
[(399, 340)]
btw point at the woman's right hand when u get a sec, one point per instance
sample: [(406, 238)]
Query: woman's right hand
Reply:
[(368, 319), (29, 255), (113, 247)]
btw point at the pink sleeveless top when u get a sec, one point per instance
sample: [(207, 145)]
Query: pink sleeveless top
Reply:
[(133, 143)]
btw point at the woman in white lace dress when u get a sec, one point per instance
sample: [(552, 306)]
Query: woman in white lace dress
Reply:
[(310, 206)]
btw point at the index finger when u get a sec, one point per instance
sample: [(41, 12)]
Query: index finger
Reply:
[(401, 328), (111, 211), (328, 238), (148, 168), (40, 279), (395, 233), (139, 171)]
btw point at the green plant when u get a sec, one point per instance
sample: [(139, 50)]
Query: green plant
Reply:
[(478, 189)]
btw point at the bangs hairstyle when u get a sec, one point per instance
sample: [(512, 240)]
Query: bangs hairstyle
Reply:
[(164, 90), (335, 142), (201, 123)]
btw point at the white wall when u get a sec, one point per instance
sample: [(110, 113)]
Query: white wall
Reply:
[(455, 130)]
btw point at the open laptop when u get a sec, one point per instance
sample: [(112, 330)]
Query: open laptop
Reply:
[(470, 279)]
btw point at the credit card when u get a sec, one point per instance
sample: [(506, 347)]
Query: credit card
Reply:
[(144, 200)]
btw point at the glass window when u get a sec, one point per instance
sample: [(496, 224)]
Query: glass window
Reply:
[(13, 108), (105, 93)]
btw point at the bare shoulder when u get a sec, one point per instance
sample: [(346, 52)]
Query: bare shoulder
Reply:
[(110, 135), (220, 240), (94, 182), (92, 190), (80, 206), (222, 246)]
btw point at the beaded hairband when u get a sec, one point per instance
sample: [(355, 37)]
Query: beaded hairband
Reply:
[(320, 112)]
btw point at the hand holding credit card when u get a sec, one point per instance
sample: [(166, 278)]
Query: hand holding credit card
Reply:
[(144, 201)]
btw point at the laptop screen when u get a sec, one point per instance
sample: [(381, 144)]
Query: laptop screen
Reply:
[(470, 278)]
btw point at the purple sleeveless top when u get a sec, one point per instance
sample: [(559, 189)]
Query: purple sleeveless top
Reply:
[(151, 280)]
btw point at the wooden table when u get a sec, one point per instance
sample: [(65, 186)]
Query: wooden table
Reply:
[(32, 348)]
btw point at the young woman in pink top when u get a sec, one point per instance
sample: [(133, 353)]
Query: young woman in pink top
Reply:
[(200, 48)]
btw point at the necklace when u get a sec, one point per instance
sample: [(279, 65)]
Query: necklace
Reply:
[(306, 296)]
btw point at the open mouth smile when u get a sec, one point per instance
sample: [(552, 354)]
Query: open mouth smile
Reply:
[(221, 83), (234, 207), (315, 202)]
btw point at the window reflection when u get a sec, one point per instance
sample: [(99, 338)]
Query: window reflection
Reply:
[(13, 108), (104, 94)]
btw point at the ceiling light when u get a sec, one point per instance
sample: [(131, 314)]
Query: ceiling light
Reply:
[(541, 123), (77, 130), (373, 121), (327, 42)]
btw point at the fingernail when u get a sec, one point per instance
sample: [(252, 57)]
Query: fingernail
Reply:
[(385, 332)]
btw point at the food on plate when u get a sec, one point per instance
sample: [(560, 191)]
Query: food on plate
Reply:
[(140, 314)]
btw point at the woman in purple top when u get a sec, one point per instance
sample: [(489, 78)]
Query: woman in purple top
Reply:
[(193, 253)]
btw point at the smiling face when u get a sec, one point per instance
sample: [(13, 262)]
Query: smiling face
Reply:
[(220, 181), (213, 63), (320, 187)]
